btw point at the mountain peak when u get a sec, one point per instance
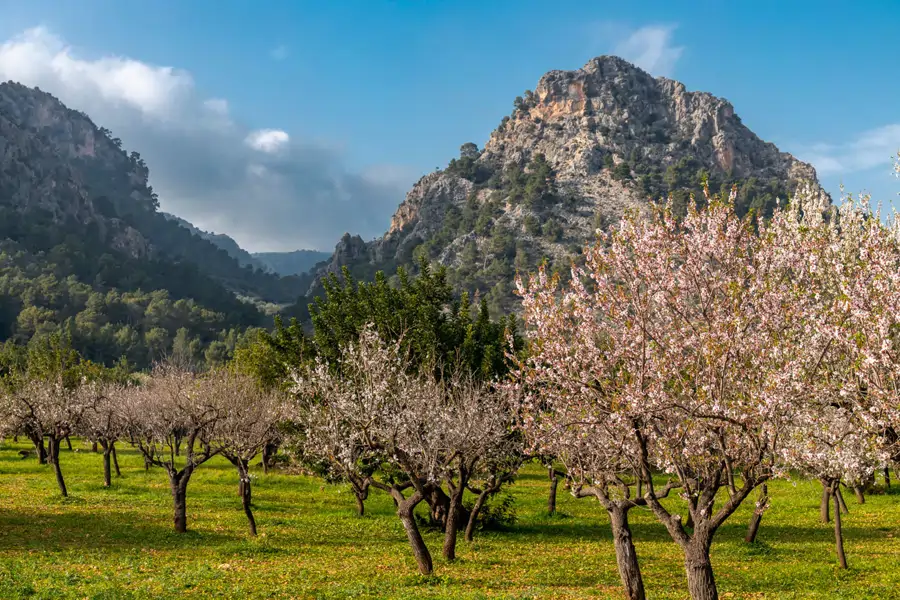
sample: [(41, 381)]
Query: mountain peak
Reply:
[(574, 154)]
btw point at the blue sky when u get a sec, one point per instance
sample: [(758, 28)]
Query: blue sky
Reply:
[(370, 95)]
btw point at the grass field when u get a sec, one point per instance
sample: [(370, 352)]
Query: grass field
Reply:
[(118, 542)]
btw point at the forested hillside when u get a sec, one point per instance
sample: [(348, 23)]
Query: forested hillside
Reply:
[(87, 251)]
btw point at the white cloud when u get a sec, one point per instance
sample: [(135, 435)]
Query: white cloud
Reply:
[(651, 49), (871, 149), (268, 140), (40, 57), (279, 52), (263, 187)]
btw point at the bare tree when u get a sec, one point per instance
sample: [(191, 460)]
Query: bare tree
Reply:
[(49, 408), (477, 422), (163, 412), (370, 400), (247, 419), (103, 423)]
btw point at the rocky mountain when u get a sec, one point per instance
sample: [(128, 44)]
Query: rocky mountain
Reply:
[(298, 262), (574, 154)]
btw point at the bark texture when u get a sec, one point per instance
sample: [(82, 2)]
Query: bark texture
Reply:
[(626, 557), (701, 581), (405, 511)]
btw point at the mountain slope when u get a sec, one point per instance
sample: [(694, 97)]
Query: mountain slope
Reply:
[(298, 262), (56, 165), (578, 151), (85, 253), (223, 241)]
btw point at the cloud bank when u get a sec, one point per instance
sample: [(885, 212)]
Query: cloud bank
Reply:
[(263, 187)]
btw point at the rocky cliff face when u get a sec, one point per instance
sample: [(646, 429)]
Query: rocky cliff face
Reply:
[(578, 151), (52, 161)]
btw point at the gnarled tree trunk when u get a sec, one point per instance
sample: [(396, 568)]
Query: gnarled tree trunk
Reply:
[(405, 510), (178, 481), (361, 492), (438, 505), (626, 557), (54, 460), (455, 513), (701, 581)]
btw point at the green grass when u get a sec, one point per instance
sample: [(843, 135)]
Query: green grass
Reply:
[(118, 543)]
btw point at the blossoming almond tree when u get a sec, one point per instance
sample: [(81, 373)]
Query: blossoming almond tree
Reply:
[(369, 406), (53, 408), (163, 413), (667, 344), (369, 397), (247, 419), (103, 423), (847, 284)]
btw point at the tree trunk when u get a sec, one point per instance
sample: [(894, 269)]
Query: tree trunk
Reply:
[(473, 516), (554, 483), (626, 557), (824, 505), (838, 532), (840, 498), (453, 517), (94, 447), (246, 494), (69, 443), (756, 517), (115, 457), (439, 506), (178, 481), (107, 478), (268, 453), (860, 496), (887, 478), (701, 582), (39, 449), (420, 550), (54, 459), (361, 491)]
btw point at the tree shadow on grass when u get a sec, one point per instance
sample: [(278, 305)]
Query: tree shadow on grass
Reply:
[(46, 531)]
